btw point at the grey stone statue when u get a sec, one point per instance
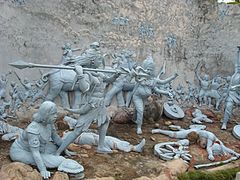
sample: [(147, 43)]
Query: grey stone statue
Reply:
[(146, 85), (92, 138), (214, 92), (37, 144), (206, 139), (123, 82), (199, 117), (204, 86), (92, 109), (233, 96), (68, 56), (63, 81), (16, 97)]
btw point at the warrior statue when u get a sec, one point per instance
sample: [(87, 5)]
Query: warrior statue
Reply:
[(233, 96)]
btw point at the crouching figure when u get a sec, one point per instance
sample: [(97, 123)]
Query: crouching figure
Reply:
[(38, 143)]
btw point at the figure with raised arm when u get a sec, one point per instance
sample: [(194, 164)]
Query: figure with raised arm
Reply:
[(204, 86), (146, 85), (233, 96), (93, 108)]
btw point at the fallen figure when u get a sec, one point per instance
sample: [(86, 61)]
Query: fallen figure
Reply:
[(205, 139), (199, 117), (91, 138)]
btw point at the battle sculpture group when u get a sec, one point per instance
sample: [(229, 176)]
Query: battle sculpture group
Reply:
[(94, 85)]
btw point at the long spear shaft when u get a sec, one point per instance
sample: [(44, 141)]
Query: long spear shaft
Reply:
[(22, 65)]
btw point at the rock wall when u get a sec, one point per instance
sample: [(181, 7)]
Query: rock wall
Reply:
[(182, 33)]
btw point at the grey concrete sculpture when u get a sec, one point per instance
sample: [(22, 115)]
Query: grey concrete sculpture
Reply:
[(68, 56), (233, 96), (213, 92), (37, 144), (92, 109), (146, 85), (123, 82), (199, 117), (204, 86), (206, 139), (63, 81)]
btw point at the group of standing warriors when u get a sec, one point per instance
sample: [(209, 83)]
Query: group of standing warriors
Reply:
[(24, 95)]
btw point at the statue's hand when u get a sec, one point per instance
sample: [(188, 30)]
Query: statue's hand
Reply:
[(69, 153), (211, 157), (170, 95), (67, 109), (45, 174), (79, 70)]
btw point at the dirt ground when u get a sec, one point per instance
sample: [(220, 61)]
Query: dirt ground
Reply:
[(131, 165)]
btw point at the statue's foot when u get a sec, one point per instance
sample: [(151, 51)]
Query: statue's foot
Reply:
[(224, 127), (139, 147), (104, 150), (139, 131), (154, 131)]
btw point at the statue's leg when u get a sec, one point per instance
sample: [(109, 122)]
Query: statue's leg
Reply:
[(227, 114), (102, 134), (109, 95), (65, 99), (120, 99), (77, 100), (69, 139), (53, 92), (197, 120), (139, 107), (181, 134)]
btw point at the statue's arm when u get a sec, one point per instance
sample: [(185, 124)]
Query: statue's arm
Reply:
[(160, 91), (165, 81), (34, 144), (209, 149), (55, 137)]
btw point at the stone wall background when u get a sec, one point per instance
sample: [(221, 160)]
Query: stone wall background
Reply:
[(184, 32)]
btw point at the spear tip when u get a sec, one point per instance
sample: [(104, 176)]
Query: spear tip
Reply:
[(19, 64)]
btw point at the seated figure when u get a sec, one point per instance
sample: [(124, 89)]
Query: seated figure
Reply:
[(199, 117), (213, 145), (37, 144)]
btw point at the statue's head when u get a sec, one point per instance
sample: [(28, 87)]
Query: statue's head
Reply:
[(66, 46), (193, 137), (206, 77), (25, 80), (95, 45), (47, 113), (202, 142), (12, 83), (149, 65)]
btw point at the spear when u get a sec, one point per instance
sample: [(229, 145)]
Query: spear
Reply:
[(22, 65)]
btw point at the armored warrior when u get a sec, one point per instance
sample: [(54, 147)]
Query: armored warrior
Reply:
[(38, 143), (204, 86), (146, 85), (92, 108), (233, 96)]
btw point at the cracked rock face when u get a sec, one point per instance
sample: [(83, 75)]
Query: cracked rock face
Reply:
[(178, 32)]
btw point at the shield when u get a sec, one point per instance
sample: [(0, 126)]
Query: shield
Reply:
[(236, 131), (173, 111)]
